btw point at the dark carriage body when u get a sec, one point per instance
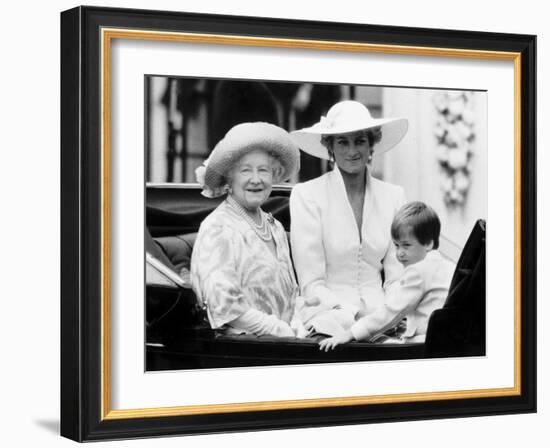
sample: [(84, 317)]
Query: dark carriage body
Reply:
[(178, 335)]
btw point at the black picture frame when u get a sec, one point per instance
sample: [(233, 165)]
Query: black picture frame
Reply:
[(85, 413)]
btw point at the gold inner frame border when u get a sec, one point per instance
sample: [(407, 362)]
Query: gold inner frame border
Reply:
[(107, 35)]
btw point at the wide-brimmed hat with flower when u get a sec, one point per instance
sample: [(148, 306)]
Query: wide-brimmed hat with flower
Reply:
[(240, 140), (345, 117)]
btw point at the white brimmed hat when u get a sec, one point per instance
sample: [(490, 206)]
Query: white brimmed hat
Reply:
[(345, 117), (240, 140)]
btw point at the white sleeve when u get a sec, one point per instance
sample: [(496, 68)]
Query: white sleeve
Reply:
[(308, 252), (401, 302), (393, 270), (214, 274), (259, 323)]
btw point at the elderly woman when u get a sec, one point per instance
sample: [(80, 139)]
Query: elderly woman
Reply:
[(340, 221), (240, 266)]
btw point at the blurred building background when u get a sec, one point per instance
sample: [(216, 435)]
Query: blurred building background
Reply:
[(441, 161)]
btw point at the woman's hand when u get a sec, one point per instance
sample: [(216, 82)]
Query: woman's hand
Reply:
[(312, 301), (329, 343), (284, 331), (298, 328)]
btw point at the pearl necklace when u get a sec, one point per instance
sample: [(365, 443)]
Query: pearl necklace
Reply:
[(263, 230)]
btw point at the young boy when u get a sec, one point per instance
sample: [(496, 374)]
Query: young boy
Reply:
[(424, 284)]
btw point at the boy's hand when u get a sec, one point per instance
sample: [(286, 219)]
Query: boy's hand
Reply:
[(330, 343)]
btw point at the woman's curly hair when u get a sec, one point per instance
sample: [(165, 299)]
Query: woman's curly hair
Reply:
[(373, 135), (276, 167)]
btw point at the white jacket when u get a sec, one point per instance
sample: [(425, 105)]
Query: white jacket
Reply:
[(330, 260)]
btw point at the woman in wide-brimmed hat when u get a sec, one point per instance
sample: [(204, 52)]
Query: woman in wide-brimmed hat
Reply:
[(240, 266), (340, 222)]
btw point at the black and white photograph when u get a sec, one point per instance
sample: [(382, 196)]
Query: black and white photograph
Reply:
[(273, 224), (298, 222)]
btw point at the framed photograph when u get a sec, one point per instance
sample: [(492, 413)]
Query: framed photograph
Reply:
[(276, 224)]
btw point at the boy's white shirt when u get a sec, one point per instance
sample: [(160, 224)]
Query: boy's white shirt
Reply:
[(423, 288)]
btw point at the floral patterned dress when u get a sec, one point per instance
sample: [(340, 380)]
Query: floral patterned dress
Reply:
[(233, 271)]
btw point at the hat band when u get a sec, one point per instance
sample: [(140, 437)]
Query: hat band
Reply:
[(329, 126)]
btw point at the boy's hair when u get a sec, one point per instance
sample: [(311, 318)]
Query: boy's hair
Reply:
[(423, 221)]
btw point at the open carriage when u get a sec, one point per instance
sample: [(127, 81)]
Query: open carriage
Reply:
[(178, 335)]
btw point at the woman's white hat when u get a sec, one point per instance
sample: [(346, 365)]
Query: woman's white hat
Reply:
[(345, 117), (240, 140)]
